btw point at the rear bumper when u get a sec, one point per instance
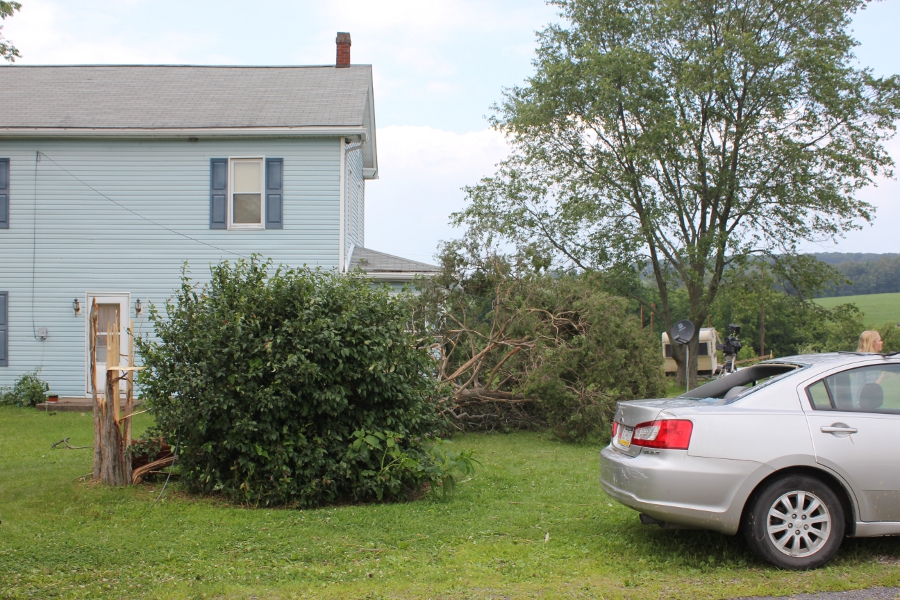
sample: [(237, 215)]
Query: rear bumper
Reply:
[(706, 493)]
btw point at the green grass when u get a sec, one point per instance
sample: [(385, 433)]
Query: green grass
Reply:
[(64, 538), (878, 309)]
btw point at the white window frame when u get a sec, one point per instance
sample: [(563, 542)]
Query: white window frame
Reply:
[(262, 193)]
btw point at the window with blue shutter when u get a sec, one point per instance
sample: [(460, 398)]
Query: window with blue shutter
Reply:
[(274, 193), (4, 193), (4, 329), (218, 193)]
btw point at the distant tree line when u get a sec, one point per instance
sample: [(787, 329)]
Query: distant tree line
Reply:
[(863, 273)]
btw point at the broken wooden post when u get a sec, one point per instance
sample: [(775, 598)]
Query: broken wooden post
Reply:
[(112, 451), (129, 399), (94, 330)]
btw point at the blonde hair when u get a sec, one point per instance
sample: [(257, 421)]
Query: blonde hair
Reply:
[(867, 341)]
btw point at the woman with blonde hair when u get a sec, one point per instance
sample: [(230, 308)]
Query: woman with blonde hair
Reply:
[(870, 341)]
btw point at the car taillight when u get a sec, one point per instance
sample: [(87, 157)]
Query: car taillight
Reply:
[(673, 434), (615, 429)]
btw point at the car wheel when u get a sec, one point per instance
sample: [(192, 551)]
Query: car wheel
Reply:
[(795, 522)]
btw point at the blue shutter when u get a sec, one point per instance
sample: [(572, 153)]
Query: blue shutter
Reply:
[(4, 193), (4, 329), (218, 193), (274, 193)]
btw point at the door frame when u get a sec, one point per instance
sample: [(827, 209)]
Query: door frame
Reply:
[(124, 300)]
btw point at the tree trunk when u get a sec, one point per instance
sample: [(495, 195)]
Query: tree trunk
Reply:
[(109, 448), (94, 328), (129, 400)]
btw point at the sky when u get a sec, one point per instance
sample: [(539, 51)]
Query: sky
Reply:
[(438, 67)]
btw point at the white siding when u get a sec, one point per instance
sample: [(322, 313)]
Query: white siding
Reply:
[(66, 240), (355, 198)]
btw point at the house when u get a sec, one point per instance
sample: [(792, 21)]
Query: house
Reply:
[(111, 177)]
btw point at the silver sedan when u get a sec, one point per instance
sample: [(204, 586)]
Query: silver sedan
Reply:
[(795, 453)]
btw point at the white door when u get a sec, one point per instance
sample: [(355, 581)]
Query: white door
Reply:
[(112, 308)]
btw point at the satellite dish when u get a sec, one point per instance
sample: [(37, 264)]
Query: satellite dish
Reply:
[(682, 332)]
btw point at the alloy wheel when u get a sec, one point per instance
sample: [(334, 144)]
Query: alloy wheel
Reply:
[(798, 524)]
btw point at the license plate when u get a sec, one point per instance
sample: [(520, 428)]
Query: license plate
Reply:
[(625, 436)]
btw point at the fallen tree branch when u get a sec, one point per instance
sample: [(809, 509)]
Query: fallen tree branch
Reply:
[(138, 474), (66, 442)]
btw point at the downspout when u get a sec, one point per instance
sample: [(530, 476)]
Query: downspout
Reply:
[(342, 259)]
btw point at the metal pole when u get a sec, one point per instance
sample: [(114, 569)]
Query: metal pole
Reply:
[(687, 369)]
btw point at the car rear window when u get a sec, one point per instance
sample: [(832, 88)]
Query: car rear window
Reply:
[(740, 383)]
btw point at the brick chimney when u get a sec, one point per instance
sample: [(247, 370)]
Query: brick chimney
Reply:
[(343, 49)]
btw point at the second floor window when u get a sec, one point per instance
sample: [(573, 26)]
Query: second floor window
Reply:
[(246, 193)]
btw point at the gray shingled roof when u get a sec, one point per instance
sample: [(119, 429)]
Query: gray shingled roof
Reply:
[(162, 97), (372, 261)]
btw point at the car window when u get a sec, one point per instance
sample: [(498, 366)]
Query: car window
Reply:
[(818, 396), (865, 389), (737, 385)]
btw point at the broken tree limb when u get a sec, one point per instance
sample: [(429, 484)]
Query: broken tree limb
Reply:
[(94, 330), (138, 474), (66, 442)]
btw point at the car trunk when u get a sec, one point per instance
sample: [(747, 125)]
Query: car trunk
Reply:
[(634, 412)]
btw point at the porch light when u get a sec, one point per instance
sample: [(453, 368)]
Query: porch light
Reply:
[(138, 309), (76, 306)]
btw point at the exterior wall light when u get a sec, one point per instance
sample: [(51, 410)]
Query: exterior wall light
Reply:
[(138, 308), (76, 306)]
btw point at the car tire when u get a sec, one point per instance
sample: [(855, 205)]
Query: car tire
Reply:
[(812, 540)]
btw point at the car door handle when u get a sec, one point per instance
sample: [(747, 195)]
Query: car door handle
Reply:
[(838, 428)]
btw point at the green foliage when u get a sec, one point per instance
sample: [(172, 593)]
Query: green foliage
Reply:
[(523, 348), (27, 391), (871, 274), (890, 335), (793, 322), (681, 137), (273, 383), (388, 466), (586, 361), (149, 448), (7, 50)]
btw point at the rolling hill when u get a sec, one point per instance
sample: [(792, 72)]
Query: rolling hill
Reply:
[(878, 308)]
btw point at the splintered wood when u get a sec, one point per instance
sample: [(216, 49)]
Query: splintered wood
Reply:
[(112, 431)]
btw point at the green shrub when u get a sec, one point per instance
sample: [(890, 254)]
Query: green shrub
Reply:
[(290, 386), (27, 391), (890, 334)]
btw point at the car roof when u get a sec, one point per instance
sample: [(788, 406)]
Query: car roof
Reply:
[(826, 357)]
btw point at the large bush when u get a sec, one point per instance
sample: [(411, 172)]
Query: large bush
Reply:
[(286, 386)]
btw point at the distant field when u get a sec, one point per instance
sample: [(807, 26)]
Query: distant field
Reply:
[(878, 308)]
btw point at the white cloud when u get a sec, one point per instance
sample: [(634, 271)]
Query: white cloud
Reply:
[(881, 235), (421, 172), (50, 33)]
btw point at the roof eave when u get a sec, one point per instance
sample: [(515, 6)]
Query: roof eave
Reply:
[(177, 132)]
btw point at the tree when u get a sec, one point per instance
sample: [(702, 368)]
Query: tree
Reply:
[(684, 137), (518, 347), (7, 50)]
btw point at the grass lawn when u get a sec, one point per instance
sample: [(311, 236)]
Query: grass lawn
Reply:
[(878, 308), (63, 538)]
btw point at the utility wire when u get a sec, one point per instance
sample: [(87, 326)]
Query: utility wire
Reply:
[(120, 205)]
